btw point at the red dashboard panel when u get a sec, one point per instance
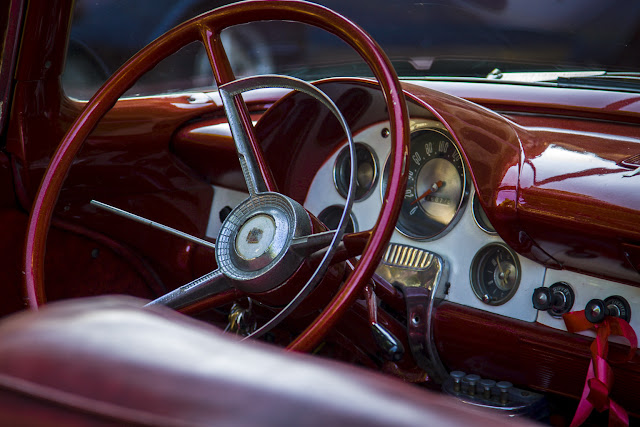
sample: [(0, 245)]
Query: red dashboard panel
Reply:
[(527, 353)]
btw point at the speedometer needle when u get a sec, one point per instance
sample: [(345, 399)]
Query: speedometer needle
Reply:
[(435, 187)]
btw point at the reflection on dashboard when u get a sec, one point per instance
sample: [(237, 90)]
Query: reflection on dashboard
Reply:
[(480, 216)]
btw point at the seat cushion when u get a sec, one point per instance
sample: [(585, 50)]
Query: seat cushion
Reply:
[(107, 360)]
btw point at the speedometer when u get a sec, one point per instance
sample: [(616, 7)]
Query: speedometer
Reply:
[(436, 185)]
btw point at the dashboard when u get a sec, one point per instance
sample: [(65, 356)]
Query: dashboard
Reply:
[(442, 215), (483, 271), (473, 255)]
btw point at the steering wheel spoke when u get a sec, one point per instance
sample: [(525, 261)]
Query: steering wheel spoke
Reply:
[(202, 288), (307, 245), (257, 174), (218, 59), (314, 245)]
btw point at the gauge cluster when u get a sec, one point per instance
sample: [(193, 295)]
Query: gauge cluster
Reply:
[(439, 214), (442, 215)]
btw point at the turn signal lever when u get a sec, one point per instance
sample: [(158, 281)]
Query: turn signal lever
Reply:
[(391, 348)]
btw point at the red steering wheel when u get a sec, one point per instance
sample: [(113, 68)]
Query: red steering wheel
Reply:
[(207, 28)]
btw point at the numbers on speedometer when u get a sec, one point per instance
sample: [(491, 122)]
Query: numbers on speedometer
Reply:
[(436, 185)]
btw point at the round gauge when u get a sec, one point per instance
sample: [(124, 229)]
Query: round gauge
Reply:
[(366, 172), (495, 274), (331, 215), (436, 185), (480, 216)]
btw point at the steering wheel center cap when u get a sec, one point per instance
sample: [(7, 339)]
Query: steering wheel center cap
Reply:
[(255, 237), (253, 246)]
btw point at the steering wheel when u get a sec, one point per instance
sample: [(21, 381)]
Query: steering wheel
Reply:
[(266, 212)]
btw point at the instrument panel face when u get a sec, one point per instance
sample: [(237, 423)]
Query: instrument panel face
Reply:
[(483, 272), (436, 185), (442, 221)]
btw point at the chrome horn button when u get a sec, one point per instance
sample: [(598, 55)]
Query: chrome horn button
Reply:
[(255, 238), (253, 246)]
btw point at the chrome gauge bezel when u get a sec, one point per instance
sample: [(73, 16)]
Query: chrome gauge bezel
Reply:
[(339, 209), (429, 125), (341, 168), (480, 222), (476, 270)]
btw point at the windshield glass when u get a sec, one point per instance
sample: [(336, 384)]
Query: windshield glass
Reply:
[(453, 38)]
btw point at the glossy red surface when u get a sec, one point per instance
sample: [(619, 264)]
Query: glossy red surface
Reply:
[(548, 172), (527, 354), (540, 100), (136, 370), (558, 196), (562, 174)]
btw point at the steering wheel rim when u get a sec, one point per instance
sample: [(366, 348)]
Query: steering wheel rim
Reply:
[(207, 28)]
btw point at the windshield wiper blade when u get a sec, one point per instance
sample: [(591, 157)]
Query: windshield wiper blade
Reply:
[(627, 83)]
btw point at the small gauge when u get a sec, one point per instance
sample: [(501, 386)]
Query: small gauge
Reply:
[(480, 216), (495, 274), (366, 172), (331, 215)]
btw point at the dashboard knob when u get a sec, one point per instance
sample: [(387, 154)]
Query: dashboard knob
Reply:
[(504, 387), (541, 298), (486, 385), (472, 380), (557, 299), (596, 311), (457, 380)]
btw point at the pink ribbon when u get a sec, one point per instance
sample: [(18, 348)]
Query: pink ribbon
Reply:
[(599, 381)]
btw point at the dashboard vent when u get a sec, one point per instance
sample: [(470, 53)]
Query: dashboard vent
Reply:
[(407, 257)]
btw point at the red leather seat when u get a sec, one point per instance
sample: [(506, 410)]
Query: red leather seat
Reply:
[(104, 361)]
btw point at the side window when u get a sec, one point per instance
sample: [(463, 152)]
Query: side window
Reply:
[(105, 33)]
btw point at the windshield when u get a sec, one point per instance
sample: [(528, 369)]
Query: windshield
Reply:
[(454, 38)]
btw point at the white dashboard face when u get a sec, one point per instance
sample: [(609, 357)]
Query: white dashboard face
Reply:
[(462, 241), (458, 241)]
